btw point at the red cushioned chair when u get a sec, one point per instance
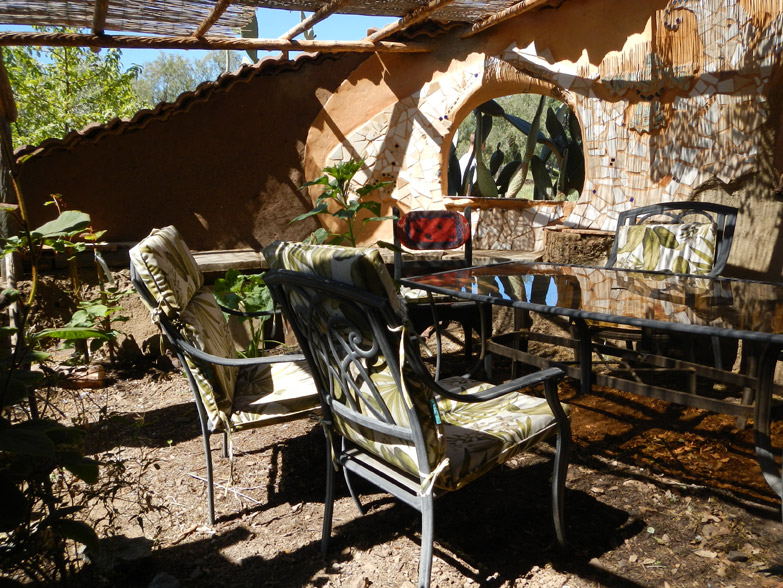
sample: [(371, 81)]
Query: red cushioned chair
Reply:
[(428, 236)]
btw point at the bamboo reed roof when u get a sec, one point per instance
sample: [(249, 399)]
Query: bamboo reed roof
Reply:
[(216, 24)]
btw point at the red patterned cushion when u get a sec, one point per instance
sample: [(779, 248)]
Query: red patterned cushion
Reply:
[(433, 229)]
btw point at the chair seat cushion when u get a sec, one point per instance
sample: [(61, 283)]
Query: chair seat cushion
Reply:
[(418, 296), (682, 248), (481, 435), (273, 393)]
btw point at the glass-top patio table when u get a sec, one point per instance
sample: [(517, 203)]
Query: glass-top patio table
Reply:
[(745, 310)]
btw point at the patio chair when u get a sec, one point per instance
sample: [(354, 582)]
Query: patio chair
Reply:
[(438, 232), (231, 394), (385, 418), (672, 237)]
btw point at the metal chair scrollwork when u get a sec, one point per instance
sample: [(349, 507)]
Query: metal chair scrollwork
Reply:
[(231, 394), (386, 419)]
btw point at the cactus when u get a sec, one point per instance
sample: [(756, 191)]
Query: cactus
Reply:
[(557, 169)]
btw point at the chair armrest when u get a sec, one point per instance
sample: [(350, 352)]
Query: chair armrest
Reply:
[(507, 387), (234, 361)]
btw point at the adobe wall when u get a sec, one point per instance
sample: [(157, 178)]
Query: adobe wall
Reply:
[(678, 100), (223, 165)]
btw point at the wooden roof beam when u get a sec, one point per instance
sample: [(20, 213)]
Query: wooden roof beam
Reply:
[(99, 16), (498, 17), (211, 43), (218, 10), (325, 11), (417, 14)]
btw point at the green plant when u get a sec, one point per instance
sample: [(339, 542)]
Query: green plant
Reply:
[(37, 519), (247, 294), (70, 234), (343, 201), (554, 158), (61, 89), (92, 322)]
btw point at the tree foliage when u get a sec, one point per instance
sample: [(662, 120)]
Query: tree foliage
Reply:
[(61, 89), (169, 75)]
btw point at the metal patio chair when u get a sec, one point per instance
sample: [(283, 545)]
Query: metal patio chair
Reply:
[(439, 232), (231, 394), (672, 237), (385, 418)]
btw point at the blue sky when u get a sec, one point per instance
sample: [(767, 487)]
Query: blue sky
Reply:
[(271, 24)]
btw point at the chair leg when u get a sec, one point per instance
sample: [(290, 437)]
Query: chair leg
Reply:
[(224, 453), (210, 483), (351, 490), (326, 531), (355, 496), (427, 537), (561, 462)]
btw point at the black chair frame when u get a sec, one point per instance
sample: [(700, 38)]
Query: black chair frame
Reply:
[(182, 348), (302, 298)]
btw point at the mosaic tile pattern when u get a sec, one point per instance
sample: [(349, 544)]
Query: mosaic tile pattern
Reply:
[(513, 230), (638, 149)]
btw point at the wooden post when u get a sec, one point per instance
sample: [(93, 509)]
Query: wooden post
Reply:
[(8, 226)]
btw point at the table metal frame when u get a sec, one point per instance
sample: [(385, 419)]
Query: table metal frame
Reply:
[(766, 347)]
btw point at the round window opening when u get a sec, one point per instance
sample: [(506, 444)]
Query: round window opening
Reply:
[(530, 148)]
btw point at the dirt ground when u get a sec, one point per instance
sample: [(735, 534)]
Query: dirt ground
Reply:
[(658, 496)]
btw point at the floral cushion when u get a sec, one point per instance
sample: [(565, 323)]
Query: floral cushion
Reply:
[(362, 268), (683, 248), (273, 393), (481, 435), (470, 437), (205, 327), (167, 268)]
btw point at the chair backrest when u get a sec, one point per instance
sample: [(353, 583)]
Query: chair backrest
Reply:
[(169, 281), (431, 230), (678, 237), (346, 316)]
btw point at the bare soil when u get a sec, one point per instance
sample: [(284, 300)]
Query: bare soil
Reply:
[(658, 496)]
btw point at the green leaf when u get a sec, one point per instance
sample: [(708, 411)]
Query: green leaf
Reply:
[(78, 531), (364, 190), (680, 265), (345, 214), (373, 207), (15, 392), (651, 251), (27, 378), (86, 470), (492, 108), (517, 181), (68, 223), (666, 237), (322, 181), (635, 237), (541, 177), (484, 179), (321, 208), (320, 235), (15, 505), (30, 442), (73, 334)]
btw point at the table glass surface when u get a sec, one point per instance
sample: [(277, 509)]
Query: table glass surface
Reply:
[(723, 306)]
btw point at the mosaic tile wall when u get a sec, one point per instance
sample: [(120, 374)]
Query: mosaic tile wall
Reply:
[(639, 149)]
